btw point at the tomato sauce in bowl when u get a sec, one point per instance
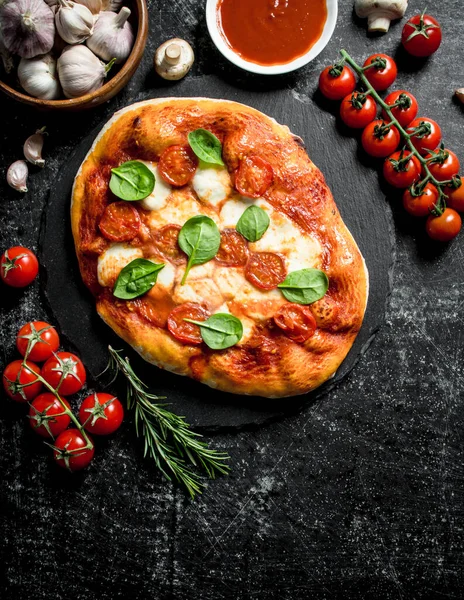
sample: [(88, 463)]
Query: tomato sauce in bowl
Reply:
[(271, 32)]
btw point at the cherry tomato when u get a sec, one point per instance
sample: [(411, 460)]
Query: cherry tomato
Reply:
[(265, 270), (455, 197), (166, 243), (46, 415), (41, 338), (444, 164), (18, 266), (177, 165), (380, 139), (120, 222), (421, 35), (20, 382), (296, 321), (358, 110), (401, 169), (101, 413), (383, 73), (233, 251), (64, 372), (70, 450), (427, 136), (336, 83), (253, 176), (422, 205), (185, 332), (406, 107), (444, 227)]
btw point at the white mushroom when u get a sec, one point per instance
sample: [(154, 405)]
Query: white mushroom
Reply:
[(173, 59), (380, 13)]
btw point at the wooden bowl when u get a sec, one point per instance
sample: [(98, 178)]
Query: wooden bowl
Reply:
[(111, 87)]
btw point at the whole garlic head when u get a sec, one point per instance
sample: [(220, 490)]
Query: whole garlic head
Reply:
[(380, 13), (80, 71), (39, 78), (113, 36), (74, 22), (28, 27)]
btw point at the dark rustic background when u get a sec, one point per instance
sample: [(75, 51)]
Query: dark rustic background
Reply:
[(360, 495)]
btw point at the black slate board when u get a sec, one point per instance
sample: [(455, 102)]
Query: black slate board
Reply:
[(356, 192)]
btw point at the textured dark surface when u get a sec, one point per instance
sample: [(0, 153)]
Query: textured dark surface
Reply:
[(361, 495)]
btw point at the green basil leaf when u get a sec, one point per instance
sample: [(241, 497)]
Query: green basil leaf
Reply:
[(206, 146), (132, 181), (137, 278), (253, 223), (200, 239), (220, 331), (305, 286)]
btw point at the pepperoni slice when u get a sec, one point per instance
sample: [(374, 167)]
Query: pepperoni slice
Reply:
[(120, 222), (253, 176), (177, 165), (233, 251), (297, 321), (265, 270), (185, 332), (166, 243)]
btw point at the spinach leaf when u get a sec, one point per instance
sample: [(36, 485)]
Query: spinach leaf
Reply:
[(200, 239), (253, 223), (305, 286), (206, 146), (132, 181), (136, 278), (220, 331)]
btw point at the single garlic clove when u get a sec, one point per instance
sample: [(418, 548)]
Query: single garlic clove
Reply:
[(33, 148), (174, 59), (460, 94), (16, 176)]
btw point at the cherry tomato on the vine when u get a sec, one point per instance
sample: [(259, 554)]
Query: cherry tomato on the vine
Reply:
[(20, 382), (46, 415), (336, 81), (382, 73), (420, 204), (421, 35), (401, 169), (358, 110), (425, 134), (443, 164), (445, 227), (101, 413), (41, 338), (455, 196), (403, 106), (64, 372), (380, 139), (70, 450), (18, 266)]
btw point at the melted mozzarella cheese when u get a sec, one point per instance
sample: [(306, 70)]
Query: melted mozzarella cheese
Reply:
[(229, 280), (199, 291), (181, 207), (212, 184), (115, 258), (166, 276), (234, 208), (157, 199)]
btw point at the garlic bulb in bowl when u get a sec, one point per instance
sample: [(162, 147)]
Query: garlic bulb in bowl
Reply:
[(80, 71), (112, 36), (39, 78), (28, 27), (74, 22)]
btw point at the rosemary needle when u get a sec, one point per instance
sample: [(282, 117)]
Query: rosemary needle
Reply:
[(168, 439)]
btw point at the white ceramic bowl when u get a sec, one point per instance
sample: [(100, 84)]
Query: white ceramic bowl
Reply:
[(226, 50)]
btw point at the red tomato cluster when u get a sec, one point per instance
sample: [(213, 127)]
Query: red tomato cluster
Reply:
[(49, 412), (402, 168)]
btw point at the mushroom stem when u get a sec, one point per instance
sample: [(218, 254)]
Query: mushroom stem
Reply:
[(173, 54)]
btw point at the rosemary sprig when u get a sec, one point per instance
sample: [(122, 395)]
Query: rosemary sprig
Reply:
[(168, 439)]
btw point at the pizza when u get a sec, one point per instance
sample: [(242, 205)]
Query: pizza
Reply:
[(213, 246)]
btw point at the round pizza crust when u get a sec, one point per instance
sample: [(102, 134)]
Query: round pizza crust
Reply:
[(265, 363)]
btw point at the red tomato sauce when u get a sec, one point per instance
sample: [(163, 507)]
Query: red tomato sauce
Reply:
[(271, 32)]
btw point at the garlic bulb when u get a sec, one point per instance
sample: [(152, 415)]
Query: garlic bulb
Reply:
[(38, 77), (112, 5), (16, 176), (80, 71), (113, 36), (28, 27), (95, 6), (33, 148), (74, 22), (379, 13)]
